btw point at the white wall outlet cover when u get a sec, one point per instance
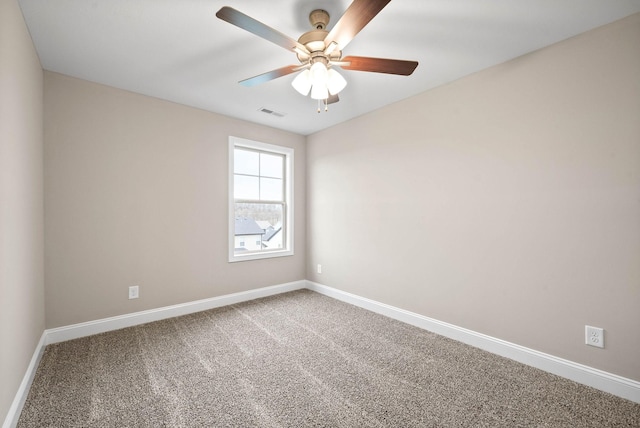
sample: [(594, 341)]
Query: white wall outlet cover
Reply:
[(134, 292), (594, 336)]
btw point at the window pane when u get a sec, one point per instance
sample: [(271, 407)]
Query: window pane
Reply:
[(245, 187), (271, 165), (258, 227), (246, 162), (270, 189)]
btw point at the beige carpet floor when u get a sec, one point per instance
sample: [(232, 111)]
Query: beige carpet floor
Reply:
[(300, 359)]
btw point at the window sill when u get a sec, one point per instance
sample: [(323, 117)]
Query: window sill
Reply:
[(258, 256)]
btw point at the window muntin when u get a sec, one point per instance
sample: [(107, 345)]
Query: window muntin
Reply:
[(260, 200)]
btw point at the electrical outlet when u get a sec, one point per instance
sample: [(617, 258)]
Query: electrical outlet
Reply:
[(319, 268), (594, 336), (133, 292)]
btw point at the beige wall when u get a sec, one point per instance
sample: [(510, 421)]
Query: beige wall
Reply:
[(21, 208), (136, 194), (507, 202)]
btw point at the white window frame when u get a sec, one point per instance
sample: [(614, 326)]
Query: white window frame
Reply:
[(287, 152)]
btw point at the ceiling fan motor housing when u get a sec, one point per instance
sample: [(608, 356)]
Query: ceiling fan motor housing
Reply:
[(314, 40)]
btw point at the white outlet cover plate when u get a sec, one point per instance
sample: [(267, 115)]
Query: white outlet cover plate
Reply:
[(133, 292), (594, 336)]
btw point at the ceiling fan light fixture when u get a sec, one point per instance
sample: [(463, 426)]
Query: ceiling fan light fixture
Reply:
[(335, 82), (302, 83)]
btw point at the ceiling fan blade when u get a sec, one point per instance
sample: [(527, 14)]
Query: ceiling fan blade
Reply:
[(378, 65), (246, 22), (333, 99), (357, 15), (270, 75)]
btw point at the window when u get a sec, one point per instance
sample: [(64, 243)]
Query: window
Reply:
[(260, 200)]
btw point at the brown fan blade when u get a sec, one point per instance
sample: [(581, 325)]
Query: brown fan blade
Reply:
[(246, 22), (379, 65), (269, 75), (357, 15), (333, 99)]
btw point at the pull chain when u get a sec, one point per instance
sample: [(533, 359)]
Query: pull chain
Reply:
[(326, 105)]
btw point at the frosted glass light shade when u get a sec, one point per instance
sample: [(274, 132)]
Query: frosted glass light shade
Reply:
[(318, 73), (320, 81), (319, 91), (335, 82), (302, 82)]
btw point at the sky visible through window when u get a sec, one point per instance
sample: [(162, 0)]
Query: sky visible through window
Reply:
[(258, 176)]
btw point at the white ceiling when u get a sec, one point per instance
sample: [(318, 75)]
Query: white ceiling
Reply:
[(178, 50)]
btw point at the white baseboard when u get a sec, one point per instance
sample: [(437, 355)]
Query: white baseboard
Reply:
[(23, 390), (75, 331), (604, 381)]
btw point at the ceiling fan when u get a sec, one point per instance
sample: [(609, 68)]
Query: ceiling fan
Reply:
[(319, 50)]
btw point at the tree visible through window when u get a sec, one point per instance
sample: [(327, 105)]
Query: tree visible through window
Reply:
[(260, 200)]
